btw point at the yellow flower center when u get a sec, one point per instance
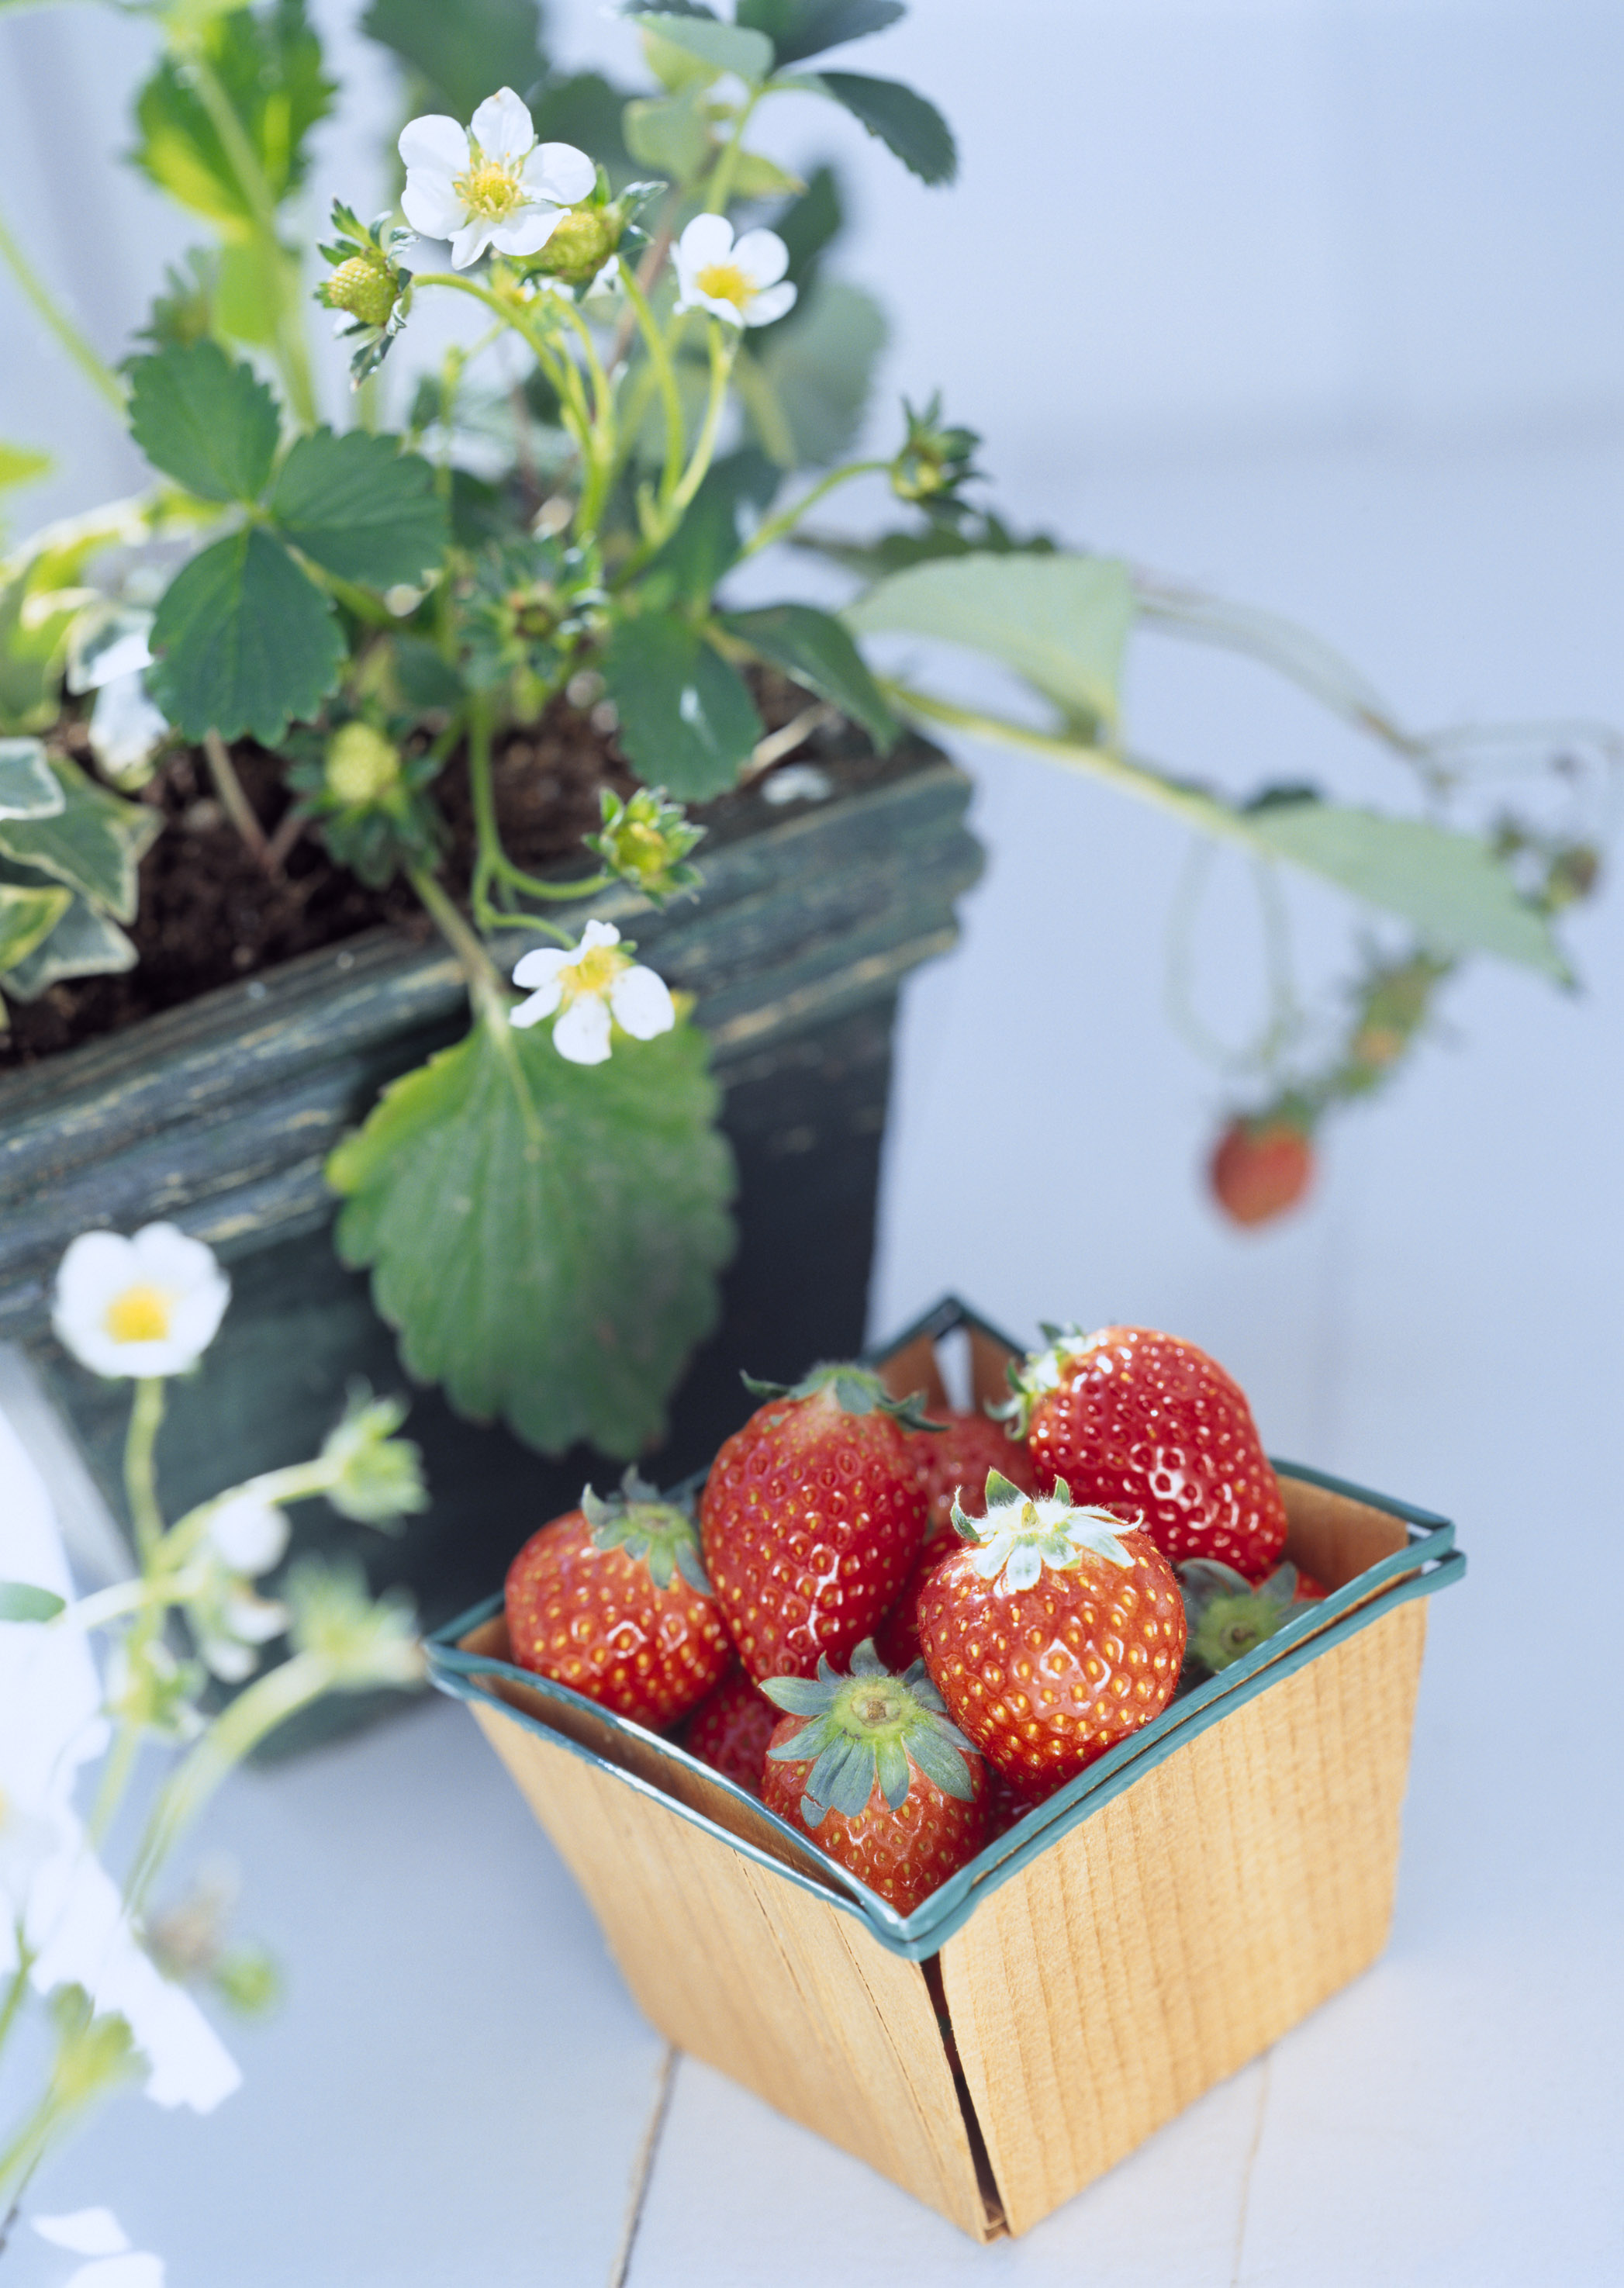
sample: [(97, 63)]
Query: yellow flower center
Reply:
[(489, 187), (725, 281), (590, 978), (140, 1314)]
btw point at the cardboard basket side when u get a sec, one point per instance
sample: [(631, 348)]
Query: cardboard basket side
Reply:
[(763, 1979), (1158, 1945)]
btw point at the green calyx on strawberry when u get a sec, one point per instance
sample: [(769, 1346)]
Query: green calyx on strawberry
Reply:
[(1039, 1372), (866, 1729), (1022, 1532), (1227, 1614), (854, 1389), (662, 1534)]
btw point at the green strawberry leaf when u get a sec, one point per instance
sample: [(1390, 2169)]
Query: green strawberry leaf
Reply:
[(360, 508), (460, 54), (687, 720), (268, 64), (806, 389), (909, 126), (815, 650), (94, 843), (27, 915), (545, 1236), (29, 787), (245, 641), (22, 1601), (206, 421), (1060, 620), (806, 28), (719, 47)]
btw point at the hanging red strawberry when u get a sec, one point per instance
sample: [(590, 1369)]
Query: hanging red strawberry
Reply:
[(1261, 1168), (1147, 1424), (612, 1600), (868, 1766), (1052, 1634), (811, 1516)]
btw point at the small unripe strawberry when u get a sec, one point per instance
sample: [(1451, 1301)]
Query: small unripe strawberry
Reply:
[(1261, 1168), (366, 286)]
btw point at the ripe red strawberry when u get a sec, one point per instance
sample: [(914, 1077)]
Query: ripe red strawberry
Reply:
[(1053, 1633), (868, 1766), (1144, 1423), (730, 1730), (812, 1516), (951, 1462), (1260, 1168), (612, 1600), (1228, 1615)]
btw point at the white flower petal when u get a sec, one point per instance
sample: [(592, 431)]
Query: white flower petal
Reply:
[(503, 128), (763, 256), (541, 967), (708, 238), (225, 1658), (85, 2232), (642, 1003), (598, 933), (256, 1620), (539, 1005), (528, 231), (249, 1533), (139, 2269), (773, 304), (431, 205), (435, 143), (559, 172), (582, 1033), (470, 242)]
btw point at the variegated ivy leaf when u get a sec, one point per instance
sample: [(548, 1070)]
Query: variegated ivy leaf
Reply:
[(29, 787), (94, 842), (84, 942), (27, 915)]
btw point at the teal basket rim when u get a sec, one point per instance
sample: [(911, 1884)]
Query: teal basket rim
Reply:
[(1428, 1561)]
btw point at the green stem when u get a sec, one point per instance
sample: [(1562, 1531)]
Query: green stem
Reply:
[(234, 1734), (292, 354), (665, 376), (140, 1477), (660, 525), (778, 526), (1205, 814), (57, 321), (484, 980), (17, 1992), (727, 166)]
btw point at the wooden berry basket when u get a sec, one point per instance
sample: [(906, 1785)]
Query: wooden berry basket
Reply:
[(1157, 1922)]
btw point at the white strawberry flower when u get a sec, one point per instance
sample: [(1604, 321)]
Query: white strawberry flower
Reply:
[(98, 2234), (593, 984), (740, 280), (146, 1305), (490, 184)]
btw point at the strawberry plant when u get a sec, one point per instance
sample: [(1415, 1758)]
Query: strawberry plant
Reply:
[(663, 382)]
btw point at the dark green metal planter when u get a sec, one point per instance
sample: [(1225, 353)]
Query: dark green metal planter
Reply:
[(219, 1116)]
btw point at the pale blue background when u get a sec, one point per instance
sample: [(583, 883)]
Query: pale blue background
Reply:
[(1320, 303)]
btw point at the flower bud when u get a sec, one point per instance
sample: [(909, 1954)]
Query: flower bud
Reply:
[(367, 286), (646, 840), (580, 243), (363, 1642), (934, 461), (362, 766), (377, 1477)]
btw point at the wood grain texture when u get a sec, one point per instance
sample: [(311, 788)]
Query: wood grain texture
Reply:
[(784, 1993), (1187, 1924), (221, 1114)]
